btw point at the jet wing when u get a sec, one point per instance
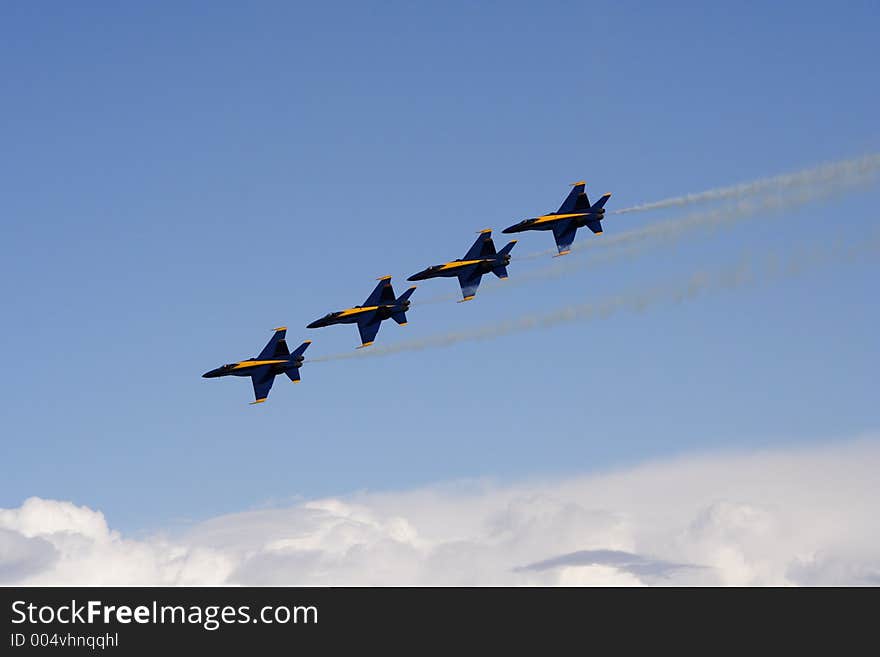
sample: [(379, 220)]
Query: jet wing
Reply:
[(368, 330), (382, 295), (564, 233), (469, 282), (276, 347), (262, 380), (484, 247)]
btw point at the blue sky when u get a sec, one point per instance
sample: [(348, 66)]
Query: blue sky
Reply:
[(180, 178)]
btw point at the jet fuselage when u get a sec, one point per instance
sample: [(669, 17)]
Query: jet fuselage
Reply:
[(356, 314), (547, 221), (454, 268), (246, 367)]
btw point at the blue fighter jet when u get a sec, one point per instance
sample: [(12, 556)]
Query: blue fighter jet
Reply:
[(275, 359), (574, 212), (379, 306), (480, 259)]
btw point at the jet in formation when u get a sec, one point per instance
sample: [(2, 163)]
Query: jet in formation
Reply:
[(480, 259), (379, 306), (275, 359), (574, 212)]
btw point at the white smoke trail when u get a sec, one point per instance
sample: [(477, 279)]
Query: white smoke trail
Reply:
[(731, 213), (609, 248), (748, 271), (767, 195), (822, 175)]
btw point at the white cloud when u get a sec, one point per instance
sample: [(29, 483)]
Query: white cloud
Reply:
[(79, 548), (775, 517)]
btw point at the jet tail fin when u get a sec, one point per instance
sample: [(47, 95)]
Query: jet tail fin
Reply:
[(507, 248), (277, 345), (293, 372), (598, 205), (300, 350), (382, 294), (576, 198), (406, 295), (500, 271), (482, 248), (399, 317)]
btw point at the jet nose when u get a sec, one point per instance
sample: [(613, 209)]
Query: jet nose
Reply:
[(212, 374)]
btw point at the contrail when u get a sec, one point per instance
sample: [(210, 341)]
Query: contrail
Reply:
[(821, 175), (609, 248), (767, 195), (730, 213), (749, 271), (771, 201)]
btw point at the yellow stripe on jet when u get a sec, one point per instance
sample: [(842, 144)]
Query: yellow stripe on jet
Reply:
[(356, 311), (256, 363), (460, 263), (553, 217)]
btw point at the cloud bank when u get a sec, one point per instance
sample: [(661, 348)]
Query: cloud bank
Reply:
[(775, 517)]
